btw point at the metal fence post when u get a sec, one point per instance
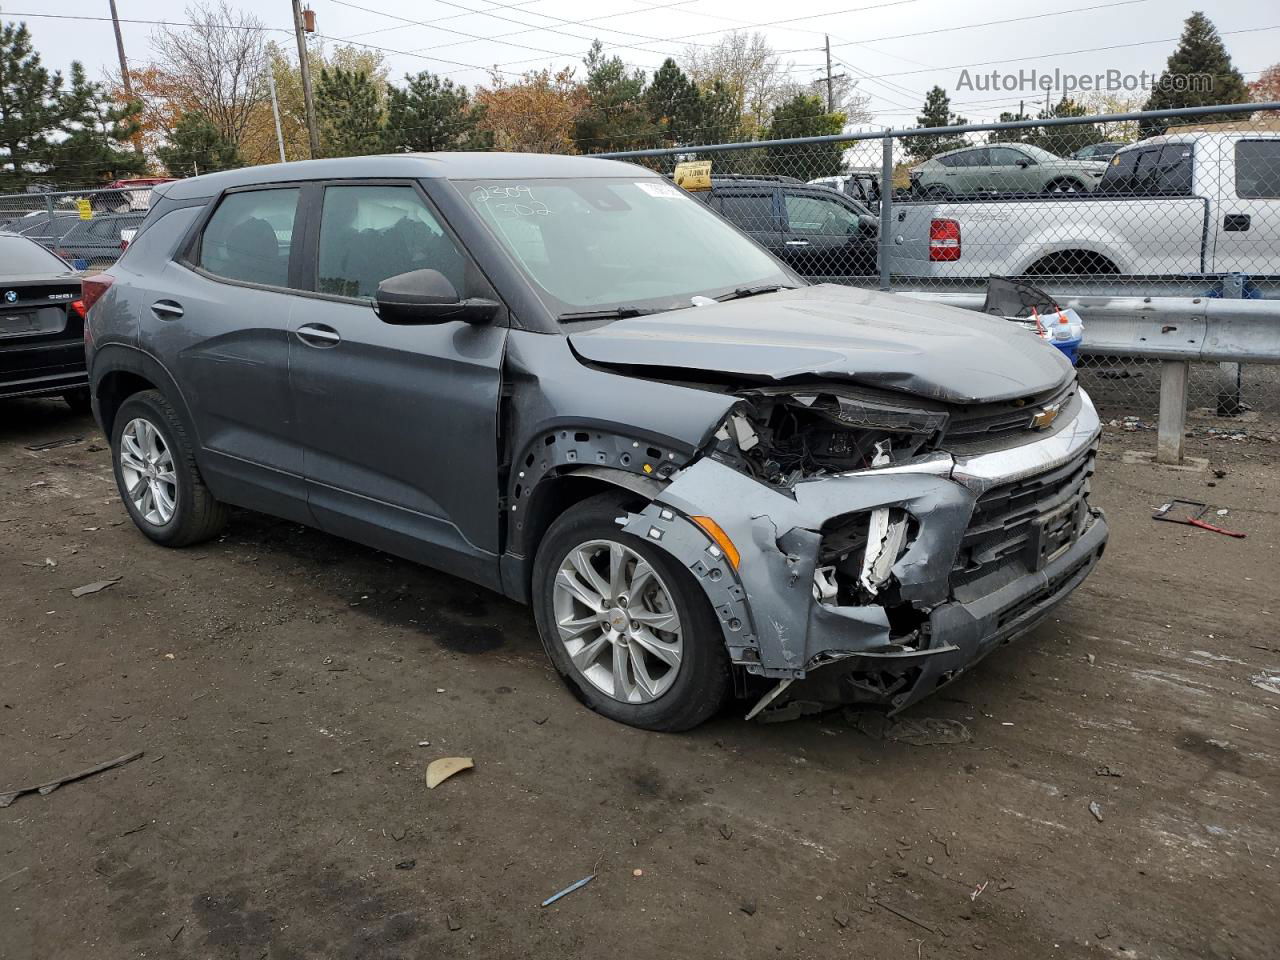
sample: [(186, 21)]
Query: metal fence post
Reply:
[(1173, 410), (886, 210), (1229, 374)]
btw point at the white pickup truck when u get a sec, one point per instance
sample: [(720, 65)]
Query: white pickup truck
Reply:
[(1176, 205)]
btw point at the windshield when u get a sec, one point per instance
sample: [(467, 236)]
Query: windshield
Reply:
[(19, 256), (618, 243)]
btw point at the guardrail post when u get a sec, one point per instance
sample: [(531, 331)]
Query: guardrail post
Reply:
[(886, 209), (1229, 374), (1173, 410)]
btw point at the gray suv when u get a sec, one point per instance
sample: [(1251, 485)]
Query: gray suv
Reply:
[(568, 381)]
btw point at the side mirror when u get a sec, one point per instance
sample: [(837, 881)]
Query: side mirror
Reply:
[(427, 296)]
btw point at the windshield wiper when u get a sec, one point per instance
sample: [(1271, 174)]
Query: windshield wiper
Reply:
[(753, 291), (610, 313)]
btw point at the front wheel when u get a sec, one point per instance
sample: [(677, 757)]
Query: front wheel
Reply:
[(1065, 185), (627, 627), (156, 474)]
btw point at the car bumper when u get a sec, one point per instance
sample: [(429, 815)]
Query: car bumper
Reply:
[(968, 578), (33, 370)]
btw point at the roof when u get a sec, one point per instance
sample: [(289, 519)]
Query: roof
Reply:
[(1189, 136), (454, 166)]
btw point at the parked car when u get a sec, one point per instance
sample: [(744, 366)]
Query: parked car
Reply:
[(41, 325), (564, 379), (45, 228), (1183, 204), (1003, 168), (814, 230), (1098, 151), (97, 242)]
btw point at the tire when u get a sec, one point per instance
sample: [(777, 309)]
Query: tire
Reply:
[(653, 694), (935, 191), (79, 400), (1065, 185), (150, 447)]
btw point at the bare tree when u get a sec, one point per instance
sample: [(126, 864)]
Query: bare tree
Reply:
[(747, 67), (219, 63)]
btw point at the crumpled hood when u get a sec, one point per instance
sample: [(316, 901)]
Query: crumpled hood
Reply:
[(876, 339)]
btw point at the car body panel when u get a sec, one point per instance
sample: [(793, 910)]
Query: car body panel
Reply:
[(41, 335)]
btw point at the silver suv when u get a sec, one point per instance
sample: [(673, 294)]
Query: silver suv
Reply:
[(568, 381)]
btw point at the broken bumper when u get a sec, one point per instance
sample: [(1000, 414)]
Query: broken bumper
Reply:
[(998, 539)]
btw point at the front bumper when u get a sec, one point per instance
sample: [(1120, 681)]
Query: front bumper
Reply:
[(775, 628)]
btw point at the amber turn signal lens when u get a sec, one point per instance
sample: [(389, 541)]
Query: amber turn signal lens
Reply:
[(720, 539)]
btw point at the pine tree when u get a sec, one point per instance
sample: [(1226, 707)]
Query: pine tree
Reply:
[(196, 146), (936, 113), (97, 130), (1199, 73), (349, 111), (30, 109), (615, 116), (1064, 141), (433, 114), (805, 115)]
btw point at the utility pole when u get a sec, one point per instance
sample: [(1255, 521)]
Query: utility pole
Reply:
[(275, 108), (830, 81), (313, 133), (125, 80)]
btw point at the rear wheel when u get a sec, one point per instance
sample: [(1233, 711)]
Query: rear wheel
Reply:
[(1064, 185), (157, 476), (627, 627)]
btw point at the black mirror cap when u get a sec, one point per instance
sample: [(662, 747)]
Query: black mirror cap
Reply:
[(427, 296)]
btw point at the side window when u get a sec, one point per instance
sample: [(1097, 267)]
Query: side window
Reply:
[(370, 233), (818, 216), (1119, 174), (1173, 176), (750, 211), (248, 236), (952, 160), (1258, 169), (1006, 156)]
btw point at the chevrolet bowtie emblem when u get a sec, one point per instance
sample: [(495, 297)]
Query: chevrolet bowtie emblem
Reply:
[(1045, 416)]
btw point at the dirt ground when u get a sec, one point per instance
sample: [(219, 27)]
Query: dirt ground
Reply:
[(288, 690)]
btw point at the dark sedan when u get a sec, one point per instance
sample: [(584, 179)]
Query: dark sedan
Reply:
[(41, 325)]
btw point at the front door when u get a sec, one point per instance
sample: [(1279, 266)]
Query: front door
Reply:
[(398, 423), (825, 236)]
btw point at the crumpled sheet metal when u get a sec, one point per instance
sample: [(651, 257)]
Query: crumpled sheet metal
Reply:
[(778, 536)]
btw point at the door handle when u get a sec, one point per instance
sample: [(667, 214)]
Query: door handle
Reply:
[(167, 309), (797, 243), (318, 335), (1236, 222)]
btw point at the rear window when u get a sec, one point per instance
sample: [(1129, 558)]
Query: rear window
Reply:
[(249, 236), (1258, 169), (19, 256), (750, 211)]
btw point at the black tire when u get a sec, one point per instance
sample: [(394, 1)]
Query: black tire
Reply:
[(1065, 185), (935, 191), (79, 400), (702, 680), (197, 516)]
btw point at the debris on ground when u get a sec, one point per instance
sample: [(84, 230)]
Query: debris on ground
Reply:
[(406, 864), (568, 890), (922, 732), (748, 907), (95, 587), (451, 923), (1189, 513), (438, 771), (44, 789), (54, 444), (1106, 771), (1096, 809), (906, 916)]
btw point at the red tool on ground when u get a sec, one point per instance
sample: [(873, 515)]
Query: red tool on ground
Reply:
[(1189, 512)]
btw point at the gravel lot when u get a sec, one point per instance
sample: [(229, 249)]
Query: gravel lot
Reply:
[(288, 689)]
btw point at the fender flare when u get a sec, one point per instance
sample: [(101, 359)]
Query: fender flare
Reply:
[(121, 358)]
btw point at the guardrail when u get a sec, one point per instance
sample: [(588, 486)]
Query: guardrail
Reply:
[(1177, 331)]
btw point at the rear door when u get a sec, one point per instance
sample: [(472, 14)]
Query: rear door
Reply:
[(398, 423), (825, 236), (218, 319), (754, 210), (1012, 171), (1246, 220)]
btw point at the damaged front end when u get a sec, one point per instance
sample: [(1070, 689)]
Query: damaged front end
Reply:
[(883, 544)]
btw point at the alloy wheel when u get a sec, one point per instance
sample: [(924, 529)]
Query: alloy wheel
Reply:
[(617, 621), (146, 464)]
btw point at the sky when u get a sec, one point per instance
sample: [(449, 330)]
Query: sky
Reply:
[(897, 49)]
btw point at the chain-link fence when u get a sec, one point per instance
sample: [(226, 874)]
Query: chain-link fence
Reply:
[(87, 228), (1160, 204)]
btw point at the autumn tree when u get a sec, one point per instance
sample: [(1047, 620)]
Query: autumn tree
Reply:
[(349, 111), (1266, 89), (935, 113), (533, 114), (1198, 73), (430, 113), (196, 146), (261, 145), (748, 68)]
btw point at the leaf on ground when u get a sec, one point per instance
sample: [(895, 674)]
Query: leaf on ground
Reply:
[(438, 771)]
